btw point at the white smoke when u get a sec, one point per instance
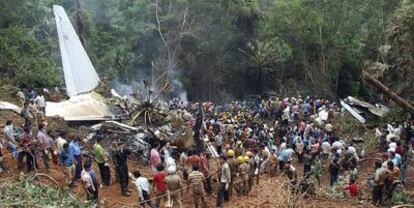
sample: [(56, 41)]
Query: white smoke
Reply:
[(130, 88), (178, 88), (137, 87)]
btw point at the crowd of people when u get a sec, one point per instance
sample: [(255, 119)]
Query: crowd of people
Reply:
[(272, 137)]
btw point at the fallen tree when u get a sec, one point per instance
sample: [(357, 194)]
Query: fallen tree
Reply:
[(388, 92)]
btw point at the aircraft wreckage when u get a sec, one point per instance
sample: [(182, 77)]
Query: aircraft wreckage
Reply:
[(137, 122)]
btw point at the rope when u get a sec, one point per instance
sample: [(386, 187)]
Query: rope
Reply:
[(161, 196), (18, 150)]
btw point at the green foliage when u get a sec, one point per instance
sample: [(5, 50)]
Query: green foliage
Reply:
[(401, 38), (25, 194), (396, 114), (220, 48), (25, 44)]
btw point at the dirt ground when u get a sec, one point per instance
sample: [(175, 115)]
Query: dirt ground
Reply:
[(269, 193)]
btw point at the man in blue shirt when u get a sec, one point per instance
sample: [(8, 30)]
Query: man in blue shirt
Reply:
[(67, 161), (396, 159), (282, 157), (75, 150)]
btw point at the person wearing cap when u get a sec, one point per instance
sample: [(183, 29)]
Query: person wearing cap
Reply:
[(233, 169), (119, 157), (174, 183), (196, 181), (225, 178), (238, 180), (244, 170)]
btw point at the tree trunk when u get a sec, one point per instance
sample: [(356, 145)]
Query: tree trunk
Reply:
[(387, 91)]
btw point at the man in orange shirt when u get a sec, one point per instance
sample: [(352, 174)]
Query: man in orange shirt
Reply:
[(393, 176)]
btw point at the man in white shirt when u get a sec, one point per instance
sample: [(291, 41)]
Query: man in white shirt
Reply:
[(225, 180), (326, 149), (169, 160), (60, 141), (9, 136), (337, 145), (88, 181), (353, 151), (40, 102), (143, 189)]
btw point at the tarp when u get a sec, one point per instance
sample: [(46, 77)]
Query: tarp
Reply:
[(84, 107), (80, 75)]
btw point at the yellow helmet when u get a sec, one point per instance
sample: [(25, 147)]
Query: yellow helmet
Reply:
[(250, 154), (240, 159), (230, 153), (246, 158)]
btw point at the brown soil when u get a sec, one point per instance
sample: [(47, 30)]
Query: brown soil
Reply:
[(268, 194)]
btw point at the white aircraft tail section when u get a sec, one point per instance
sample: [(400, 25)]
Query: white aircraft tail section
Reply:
[(80, 75)]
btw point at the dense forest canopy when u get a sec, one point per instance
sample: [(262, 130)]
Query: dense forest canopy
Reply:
[(215, 49)]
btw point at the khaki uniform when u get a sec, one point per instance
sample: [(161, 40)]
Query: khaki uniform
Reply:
[(251, 174), (173, 183), (273, 165), (244, 170), (234, 165)]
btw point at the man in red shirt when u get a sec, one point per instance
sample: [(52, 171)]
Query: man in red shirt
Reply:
[(159, 184), (27, 151), (352, 187)]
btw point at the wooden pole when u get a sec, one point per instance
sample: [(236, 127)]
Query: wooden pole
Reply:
[(387, 91)]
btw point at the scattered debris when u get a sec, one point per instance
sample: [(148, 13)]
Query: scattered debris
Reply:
[(361, 110), (85, 107), (9, 106)]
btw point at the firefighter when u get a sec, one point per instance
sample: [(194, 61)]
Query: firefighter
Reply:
[(233, 163)]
